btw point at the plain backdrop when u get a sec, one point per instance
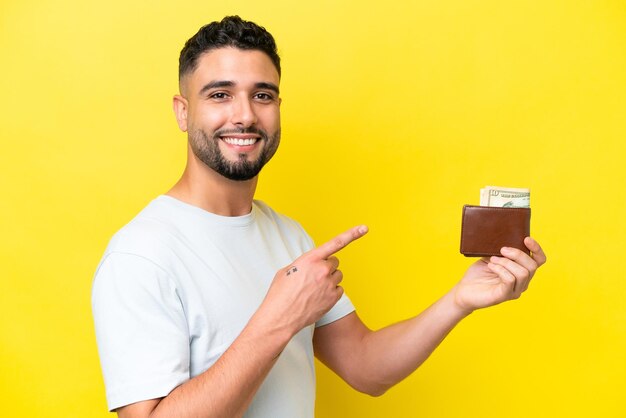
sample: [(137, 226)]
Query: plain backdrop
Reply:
[(394, 115)]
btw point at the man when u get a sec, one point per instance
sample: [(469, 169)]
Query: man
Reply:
[(210, 304)]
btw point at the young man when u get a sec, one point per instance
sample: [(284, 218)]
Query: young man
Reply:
[(210, 304)]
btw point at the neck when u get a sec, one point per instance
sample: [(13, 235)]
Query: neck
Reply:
[(202, 187)]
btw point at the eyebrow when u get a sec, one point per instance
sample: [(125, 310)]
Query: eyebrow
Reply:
[(227, 83), (267, 86)]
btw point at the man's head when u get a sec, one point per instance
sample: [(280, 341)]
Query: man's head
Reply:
[(229, 103), (233, 32)]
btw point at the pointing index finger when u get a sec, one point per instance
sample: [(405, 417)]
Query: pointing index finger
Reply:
[(340, 241)]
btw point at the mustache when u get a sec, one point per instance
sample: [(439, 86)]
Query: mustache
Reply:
[(249, 130)]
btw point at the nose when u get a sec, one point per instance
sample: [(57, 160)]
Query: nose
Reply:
[(243, 113)]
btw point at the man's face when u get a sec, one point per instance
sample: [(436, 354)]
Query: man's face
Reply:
[(230, 108)]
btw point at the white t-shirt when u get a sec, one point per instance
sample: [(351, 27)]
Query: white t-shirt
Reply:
[(177, 285)]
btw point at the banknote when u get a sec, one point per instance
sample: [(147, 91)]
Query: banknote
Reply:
[(505, 197)]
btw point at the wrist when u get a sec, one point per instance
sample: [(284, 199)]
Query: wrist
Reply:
[(263, 327), (456, 305)]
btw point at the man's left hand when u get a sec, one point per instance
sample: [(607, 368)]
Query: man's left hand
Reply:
[(493, 280)]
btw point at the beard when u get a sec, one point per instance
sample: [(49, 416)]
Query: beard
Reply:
[(208, 151)]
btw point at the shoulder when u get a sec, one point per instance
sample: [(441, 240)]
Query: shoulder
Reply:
[(149, 236), (137, 263)]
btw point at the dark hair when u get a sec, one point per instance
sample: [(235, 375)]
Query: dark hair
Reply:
[(232, 31)]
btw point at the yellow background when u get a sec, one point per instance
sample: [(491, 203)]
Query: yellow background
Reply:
[(394, 115)]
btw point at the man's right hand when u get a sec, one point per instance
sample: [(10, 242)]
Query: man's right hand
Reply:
[(305, 290)]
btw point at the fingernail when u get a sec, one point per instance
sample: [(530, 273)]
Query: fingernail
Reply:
[(363, 229)]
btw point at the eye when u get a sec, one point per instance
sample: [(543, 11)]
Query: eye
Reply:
[(264, 97), (218, 95)]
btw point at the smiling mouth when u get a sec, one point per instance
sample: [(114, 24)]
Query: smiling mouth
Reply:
[(240, 141)]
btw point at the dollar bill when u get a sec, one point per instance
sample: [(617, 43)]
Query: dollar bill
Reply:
[(505, 197)]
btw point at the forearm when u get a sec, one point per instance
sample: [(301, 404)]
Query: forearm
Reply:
[(226, 388), (392, 353)]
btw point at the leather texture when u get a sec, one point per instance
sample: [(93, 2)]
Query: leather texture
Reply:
[(485, 230)]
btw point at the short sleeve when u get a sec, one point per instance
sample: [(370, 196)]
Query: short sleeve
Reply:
[(141, 331), (342, 308)]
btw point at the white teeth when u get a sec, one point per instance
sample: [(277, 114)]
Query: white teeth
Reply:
[(239, 141)]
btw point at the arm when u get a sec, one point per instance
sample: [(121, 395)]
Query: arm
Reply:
[(297, 297), (226, 388), (373, 361)]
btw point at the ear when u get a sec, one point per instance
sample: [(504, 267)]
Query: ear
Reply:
[(180, 111)]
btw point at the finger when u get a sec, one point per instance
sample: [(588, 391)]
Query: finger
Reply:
[(333, 263), (522, 275), (520, 257), (538, 255), (507, 277), (340, 241), (519, 271), (336, 277)]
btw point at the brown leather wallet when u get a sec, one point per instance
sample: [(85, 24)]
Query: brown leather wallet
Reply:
[(485, 230)]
